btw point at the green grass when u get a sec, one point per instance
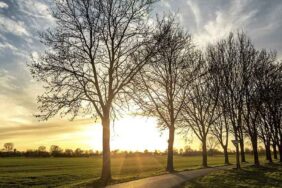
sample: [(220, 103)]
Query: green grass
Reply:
[(26, 172), (250, 176)]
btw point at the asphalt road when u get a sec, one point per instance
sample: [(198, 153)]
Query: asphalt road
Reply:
[(168, 180)]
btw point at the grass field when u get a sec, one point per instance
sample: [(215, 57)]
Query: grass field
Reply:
[(266, 176), (26, 172)]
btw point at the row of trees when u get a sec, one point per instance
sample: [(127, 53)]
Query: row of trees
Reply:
[(230, 87), (57, 151), (248, 84), (104, 54)]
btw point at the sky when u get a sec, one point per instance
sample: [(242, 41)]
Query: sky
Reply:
[(22, 20)]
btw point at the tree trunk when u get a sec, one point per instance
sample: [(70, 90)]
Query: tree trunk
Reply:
[(237, 153), (242, 147), (204, 152), (241, 136), (169, 166), (280, 151), (106, 168), (255, 150), (226, 159), (274, 151), (268, 152)]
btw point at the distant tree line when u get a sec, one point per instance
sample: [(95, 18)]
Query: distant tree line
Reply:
[(56, 151), (42, 151)]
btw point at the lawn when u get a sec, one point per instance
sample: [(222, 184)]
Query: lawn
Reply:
[(26, 172), (250, 176)]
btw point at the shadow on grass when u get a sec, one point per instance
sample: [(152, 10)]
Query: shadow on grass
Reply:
[(269, 175)]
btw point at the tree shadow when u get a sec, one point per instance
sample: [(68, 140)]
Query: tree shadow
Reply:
[(255, 176)]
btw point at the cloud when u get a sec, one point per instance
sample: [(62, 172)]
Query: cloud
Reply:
[(5, 80), (7, 46), (49, 128), (17, 96), (196, 12), (3, 5), (223, 22), (19, 24), (209, 21), (38, 10), (8, 25)]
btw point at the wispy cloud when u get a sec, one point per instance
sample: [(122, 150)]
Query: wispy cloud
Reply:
[(209, 21), (196, 12), (3, 5), (8, 25), (225, 21)]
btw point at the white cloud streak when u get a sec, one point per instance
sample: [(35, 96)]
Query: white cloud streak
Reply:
[(3, 5), (225, 21), (8, 25), (196, 12)]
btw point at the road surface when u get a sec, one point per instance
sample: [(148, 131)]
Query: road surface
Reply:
[(168, 180)]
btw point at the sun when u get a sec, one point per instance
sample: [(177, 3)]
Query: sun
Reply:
[(130, 133), (137, 134)]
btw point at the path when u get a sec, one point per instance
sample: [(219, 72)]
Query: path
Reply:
[(168, 180)]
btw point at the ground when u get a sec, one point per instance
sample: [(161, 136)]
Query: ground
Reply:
[(251, 177), (73, 171)]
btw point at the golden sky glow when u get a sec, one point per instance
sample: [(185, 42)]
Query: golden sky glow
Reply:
[(130, 133), (20, 22)]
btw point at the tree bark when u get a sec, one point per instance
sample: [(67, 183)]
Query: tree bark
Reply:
[(255, 151), (268, 152), (237, 152), (226, 158), (274, 151), (242, 147), (106, 168), (204, 152), (280, 152), (169, 166)]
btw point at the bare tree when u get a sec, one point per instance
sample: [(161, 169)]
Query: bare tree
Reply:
[(200, 105), (160, 88), (223, 57), (221, 128), (55, 150), (248, 57), (9, 146), (269, 76), (94, 52), (42, 149)]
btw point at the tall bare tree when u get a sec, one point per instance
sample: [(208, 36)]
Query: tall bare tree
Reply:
[(248, 57), (221, 128), (223, 57), (270, 79), (160, 87), (199, 110), (93, 53)]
